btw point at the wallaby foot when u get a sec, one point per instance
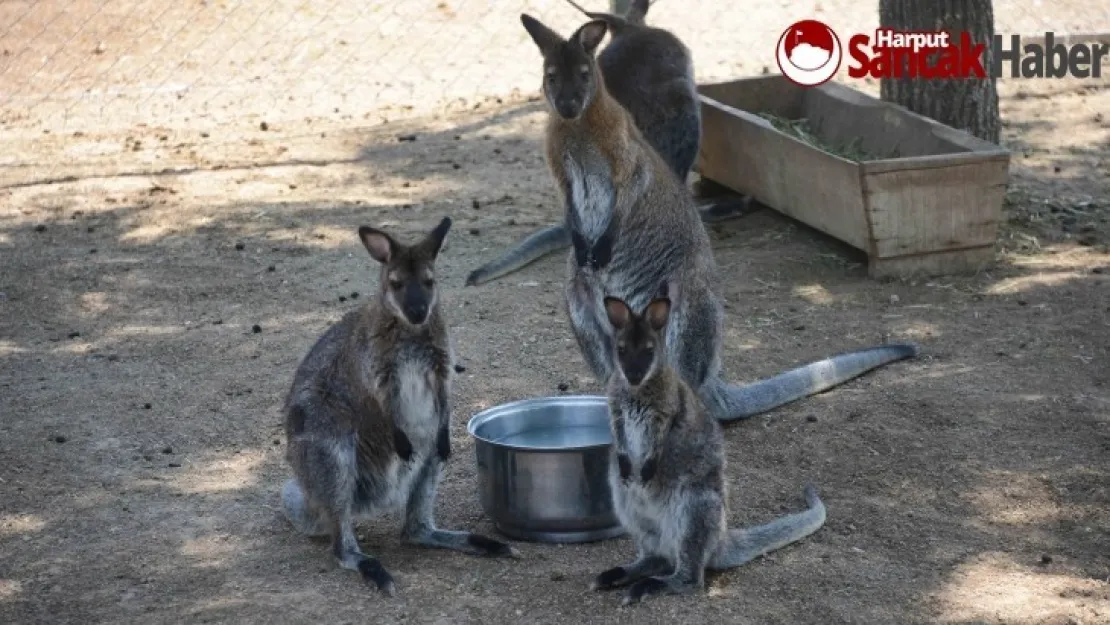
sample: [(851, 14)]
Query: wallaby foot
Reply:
[(670, 585), (621, 576), (466, 542), (725, 208), (300, 514), (347, 553)]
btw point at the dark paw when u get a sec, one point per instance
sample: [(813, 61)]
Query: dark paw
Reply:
[(443, 444), (581, 248), (625, 466), (401, 444), (490, 547), (610, 579), (373, 572), (603, 251), (648, 470), (644, 588)]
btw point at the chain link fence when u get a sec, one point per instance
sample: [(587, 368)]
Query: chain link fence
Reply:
[(81, 65)]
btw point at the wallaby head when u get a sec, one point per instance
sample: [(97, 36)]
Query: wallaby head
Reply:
[(571, 77), (640, 342), (634, 15), (408, 285)]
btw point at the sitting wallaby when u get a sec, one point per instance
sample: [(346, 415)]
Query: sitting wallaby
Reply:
[(369, 412), (637, 235), (667, 473), (649, 71)]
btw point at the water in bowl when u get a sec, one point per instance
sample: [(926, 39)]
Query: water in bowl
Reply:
[(560, 437)]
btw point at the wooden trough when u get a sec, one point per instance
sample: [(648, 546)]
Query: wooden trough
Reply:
[(930, 206)]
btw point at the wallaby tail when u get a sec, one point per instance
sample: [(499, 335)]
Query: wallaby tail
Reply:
[(746, 544), (536, 246), (730, 402)]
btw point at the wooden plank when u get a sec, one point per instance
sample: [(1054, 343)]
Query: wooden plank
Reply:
[(768, 94), (915, 211), (746, 153), (937, 263)]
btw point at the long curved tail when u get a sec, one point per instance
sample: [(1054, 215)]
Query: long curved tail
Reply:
[(746, 544), (730, 402), (536, 246)]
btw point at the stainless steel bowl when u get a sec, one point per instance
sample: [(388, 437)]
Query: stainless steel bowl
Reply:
[(543, 467)]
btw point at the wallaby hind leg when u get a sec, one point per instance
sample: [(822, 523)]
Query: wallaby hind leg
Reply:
[(621, 576), (347, 552), (594, 341), (700, 528), (420, 529), (303, 515)]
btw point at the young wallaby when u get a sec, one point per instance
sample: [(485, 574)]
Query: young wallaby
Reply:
[(667, 474), (650, 72), (369, 413), (636, 235)]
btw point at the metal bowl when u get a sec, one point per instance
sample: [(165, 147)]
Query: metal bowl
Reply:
[(543, 468)]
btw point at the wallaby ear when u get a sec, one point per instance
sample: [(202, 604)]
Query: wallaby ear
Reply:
[(637, 11), (590, 34), (380, 245), (546, 39), (620, 316), (435, 238), (657, 312)]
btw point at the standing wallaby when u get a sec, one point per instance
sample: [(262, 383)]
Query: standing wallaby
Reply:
[(637, 235), (369, 413), (667, 474), (648, 71)]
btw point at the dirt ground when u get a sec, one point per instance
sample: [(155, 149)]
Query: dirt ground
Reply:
[(150, 325)]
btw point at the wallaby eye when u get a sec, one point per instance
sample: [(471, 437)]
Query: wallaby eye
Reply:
[(429, 283), (621, 348), (649, 345), (396, 285), (550, 72)]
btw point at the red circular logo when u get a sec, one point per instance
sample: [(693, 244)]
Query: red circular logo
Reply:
[(808, 53)]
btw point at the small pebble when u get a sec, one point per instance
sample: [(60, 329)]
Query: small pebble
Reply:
[(474, 203), (60, 439), (342, 298), (811, 418), (277, 442), (1098, 270), (1046, 559), (1022, 302), (563, 386), (264, 126), (894, 299), (174, 465), (218, 322), (147, 406), (239, 246), (556, 576), (404, 138), (167, 449), (799, 328), (354, 294), (256, 328), (40, 228), (271, 268), (74, 335), (475, 231), (459, 369)]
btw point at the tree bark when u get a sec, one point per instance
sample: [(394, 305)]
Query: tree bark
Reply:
[(969, 104)]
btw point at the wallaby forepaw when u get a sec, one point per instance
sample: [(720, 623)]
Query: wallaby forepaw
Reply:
[(644, 588), (487, 546), (610, 579), (373, 572)]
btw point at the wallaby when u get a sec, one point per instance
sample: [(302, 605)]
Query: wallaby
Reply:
[(636, 235), (369, 412), (667, 472), (650, 72)]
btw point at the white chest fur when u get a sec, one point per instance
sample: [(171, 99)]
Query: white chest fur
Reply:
[(591, 194)]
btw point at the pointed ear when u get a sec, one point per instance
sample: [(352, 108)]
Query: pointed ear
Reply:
[(590, 34), (619, 314), (380, 245), (546, 39), (637, 10), (657, 313), (435, 238)]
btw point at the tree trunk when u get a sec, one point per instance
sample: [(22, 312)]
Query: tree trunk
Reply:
[(969, 104)]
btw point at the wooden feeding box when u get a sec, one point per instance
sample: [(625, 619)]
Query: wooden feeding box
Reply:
[(915, 195)]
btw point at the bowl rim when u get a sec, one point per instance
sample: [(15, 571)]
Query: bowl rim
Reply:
[(481, 417)]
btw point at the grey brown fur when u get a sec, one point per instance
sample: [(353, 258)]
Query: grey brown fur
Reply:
[(369, 412), (637, 234), (667, 473), (650, 72)]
